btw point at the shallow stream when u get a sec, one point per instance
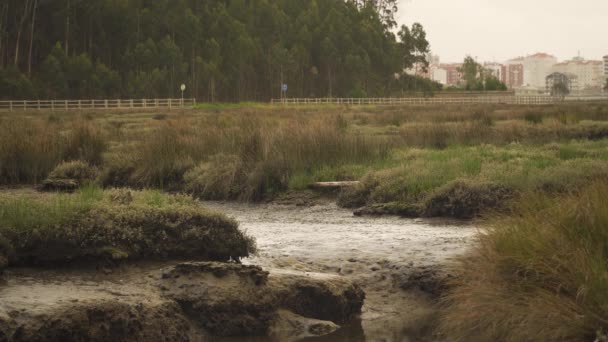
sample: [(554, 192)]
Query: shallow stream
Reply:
[(377, 253)]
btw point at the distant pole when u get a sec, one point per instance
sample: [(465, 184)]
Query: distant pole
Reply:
[(183, 88)]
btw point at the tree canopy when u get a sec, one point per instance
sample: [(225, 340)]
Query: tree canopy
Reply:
[(222, 50), (478, 78)]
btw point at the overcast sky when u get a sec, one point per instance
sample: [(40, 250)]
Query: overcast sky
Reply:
[(497, 30)]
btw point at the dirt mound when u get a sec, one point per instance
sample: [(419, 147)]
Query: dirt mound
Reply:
[(97, 320), (233, 299), (185, 301)]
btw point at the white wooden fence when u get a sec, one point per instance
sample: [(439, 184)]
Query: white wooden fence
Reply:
[(527, 100), (27, 105)]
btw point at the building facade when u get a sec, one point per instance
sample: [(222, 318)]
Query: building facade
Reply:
[(590, 74), (439, 74), (513, 73), (536, 68), (454, 76)]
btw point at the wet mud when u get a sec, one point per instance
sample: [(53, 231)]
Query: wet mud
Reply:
[(401, 264)]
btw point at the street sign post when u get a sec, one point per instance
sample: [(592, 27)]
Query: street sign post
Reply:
[(283, 91), (183, 88)]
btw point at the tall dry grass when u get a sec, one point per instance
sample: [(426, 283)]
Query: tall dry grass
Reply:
[(243, 157), (539, 274), (31, 148)]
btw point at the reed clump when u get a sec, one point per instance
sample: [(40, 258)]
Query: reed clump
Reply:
[(538, 274)]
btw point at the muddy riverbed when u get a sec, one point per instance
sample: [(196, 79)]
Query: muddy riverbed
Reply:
[(395, 260)]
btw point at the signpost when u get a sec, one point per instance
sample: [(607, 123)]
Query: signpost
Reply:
[(283, 91), (183, 88)]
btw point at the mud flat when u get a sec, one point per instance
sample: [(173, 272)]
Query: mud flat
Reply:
[(401, 264), (194, 301)]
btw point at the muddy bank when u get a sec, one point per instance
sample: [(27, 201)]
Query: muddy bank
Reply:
[(399, 263), (185, 301)]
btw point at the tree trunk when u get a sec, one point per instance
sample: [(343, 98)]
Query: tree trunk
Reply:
[(20, 29), (29, 60), (3, 20), (67, 29)]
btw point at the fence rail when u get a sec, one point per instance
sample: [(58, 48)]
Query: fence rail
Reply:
[(527, 100), (95, 104)]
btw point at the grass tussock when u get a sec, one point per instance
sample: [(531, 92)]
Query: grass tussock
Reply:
[(537, 275), (77, 170), (93, 224)]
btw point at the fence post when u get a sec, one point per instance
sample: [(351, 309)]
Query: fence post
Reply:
[(24, 105), (79, 104), (52, 105), (131, 103), (10, 104)]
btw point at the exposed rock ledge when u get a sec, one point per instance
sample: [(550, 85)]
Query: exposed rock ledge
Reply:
[(181, 302)]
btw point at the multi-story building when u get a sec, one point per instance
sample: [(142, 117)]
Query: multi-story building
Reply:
[(454, 74), (536, 68), (513, 73), (589, 73), (438, 74)]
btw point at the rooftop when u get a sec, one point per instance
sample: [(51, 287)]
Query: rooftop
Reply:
[(541, 55)]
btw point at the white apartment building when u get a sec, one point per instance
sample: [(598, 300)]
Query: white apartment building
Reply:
[(588, 73), (439, 74), (536, 68)]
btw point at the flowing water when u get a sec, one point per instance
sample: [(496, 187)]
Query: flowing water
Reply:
[(377, 253)]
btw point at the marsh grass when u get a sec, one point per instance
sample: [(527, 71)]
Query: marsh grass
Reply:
[(31, 148), (43, 229), (516, 168), (537, 274), (254, 152)]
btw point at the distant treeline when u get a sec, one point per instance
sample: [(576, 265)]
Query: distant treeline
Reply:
[(223, 50)]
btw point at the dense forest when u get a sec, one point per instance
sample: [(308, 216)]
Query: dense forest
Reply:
[(223, 50)]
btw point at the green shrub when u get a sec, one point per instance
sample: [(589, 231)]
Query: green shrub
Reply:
[(77, 170), (58, 228), (466, 199), (538, 274)]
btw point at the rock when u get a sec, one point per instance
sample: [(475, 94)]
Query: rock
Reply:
[(290, 326)]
